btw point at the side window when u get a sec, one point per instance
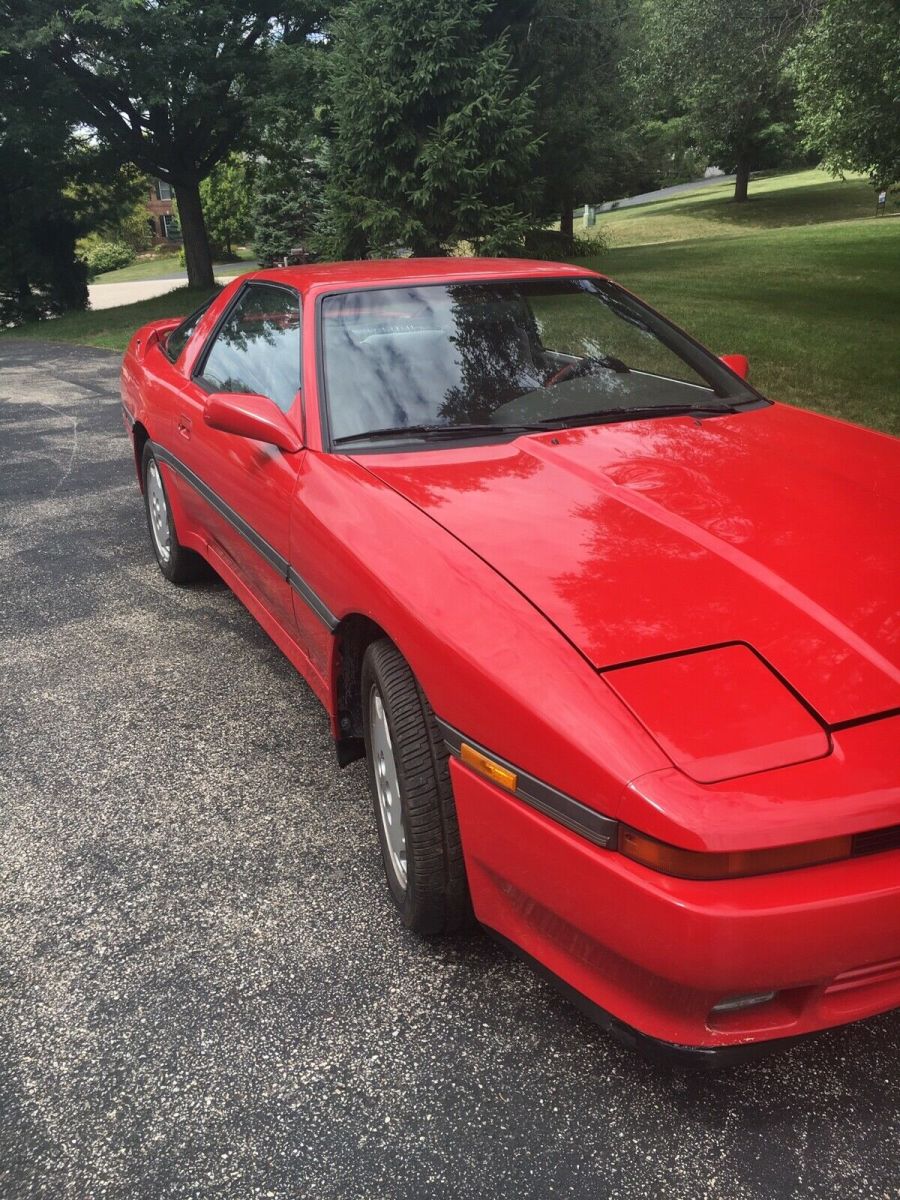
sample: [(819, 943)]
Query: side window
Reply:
[(179, 337), (257, 349)]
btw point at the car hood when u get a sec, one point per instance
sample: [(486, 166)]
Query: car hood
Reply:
[(774, 527)]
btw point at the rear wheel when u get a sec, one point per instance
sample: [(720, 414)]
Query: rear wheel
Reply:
[(409, 778), (178, 564)]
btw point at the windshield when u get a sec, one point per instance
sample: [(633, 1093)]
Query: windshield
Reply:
[(506, 354)]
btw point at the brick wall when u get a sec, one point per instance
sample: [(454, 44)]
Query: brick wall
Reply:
[(157, 209)]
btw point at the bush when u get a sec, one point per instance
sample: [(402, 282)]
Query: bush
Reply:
[(100, 256), (133, 229), (591, 244), (553, 245), (39, 276)]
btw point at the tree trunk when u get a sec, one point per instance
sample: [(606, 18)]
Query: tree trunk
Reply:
[(197, 257), (742, 179), (567, 218)]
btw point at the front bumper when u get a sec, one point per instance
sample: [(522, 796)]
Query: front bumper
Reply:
[(655, 1050), (655, 954)]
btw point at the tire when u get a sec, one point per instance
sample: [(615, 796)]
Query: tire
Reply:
[(177, 564), (409, 777)]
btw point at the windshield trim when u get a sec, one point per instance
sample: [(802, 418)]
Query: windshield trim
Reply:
[(754, 400)]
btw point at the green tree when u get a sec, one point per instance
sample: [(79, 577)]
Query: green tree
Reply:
[(55, 187), (111, 201), (668, 154), (847, 68), (292, 150), (723, 66), (288, 198), (165, 85), (133, 227), (227, 198), (433, 140), (572, 50), (40, 274)]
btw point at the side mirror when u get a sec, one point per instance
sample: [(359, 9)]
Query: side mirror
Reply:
[(739, 363), (251, 416)]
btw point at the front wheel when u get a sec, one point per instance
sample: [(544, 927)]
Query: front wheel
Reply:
[(409, 778)]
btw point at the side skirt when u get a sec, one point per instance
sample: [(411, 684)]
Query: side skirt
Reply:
[(291, 649)]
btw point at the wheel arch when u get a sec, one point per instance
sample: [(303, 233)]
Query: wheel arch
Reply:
[(139, 439), (353, 635)]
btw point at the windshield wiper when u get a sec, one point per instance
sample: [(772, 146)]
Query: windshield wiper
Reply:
[(437, 431), (646, 410)]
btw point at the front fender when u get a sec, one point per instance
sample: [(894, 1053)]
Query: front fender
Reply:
[(490, 663)]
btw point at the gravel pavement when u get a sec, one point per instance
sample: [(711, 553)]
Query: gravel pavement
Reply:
[(204, 991)]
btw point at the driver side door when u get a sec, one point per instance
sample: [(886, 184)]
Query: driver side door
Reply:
[(249, 485)]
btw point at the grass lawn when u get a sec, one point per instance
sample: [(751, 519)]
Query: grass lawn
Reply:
[(799, 198), (110, 328), (816, 308), (168, 266)]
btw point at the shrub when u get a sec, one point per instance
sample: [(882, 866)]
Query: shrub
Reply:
[(591, 244), (100, 256), (133, 229), (552, 245)]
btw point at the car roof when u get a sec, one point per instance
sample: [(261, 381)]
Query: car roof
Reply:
[(393, 271)]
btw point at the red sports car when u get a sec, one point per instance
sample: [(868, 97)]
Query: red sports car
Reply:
[(618, 636)]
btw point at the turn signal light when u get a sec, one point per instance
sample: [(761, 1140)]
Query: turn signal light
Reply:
[(486, 766), (697, 864)]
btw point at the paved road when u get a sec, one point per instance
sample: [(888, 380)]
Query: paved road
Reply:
[(676, 189), (203, 989), (111, 295)]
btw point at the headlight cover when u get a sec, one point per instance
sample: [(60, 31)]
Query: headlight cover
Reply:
[(720, 712)]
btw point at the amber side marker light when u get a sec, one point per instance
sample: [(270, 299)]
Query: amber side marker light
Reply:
[(486, 766), (697, 864)]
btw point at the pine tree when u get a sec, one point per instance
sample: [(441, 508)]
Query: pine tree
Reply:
[(287, 199), (292, 151), (573, 50), (433, 141)]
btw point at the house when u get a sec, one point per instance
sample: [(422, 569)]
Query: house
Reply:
[(162, 221)]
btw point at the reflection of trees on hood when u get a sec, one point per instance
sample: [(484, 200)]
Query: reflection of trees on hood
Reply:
[(494, 350), (443, 481)]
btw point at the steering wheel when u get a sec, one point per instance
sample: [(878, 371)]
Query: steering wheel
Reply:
[(564, 373), (570, 370)]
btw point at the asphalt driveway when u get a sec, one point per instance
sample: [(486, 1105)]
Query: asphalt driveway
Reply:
[(203, 989)]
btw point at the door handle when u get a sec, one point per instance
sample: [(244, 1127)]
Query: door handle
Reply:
[(184, 425)]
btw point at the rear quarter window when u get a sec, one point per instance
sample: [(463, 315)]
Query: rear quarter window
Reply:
[(179, 337)]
